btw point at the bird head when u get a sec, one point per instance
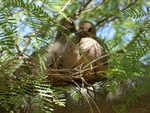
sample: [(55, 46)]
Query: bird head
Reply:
[(68, 25), (86, 29)]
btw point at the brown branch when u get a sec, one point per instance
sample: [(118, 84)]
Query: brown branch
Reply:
[(92, 9), (19, 50), (29, 36), (2, 52), (82, 7), (27, 45), (103, 20), (110, 16)]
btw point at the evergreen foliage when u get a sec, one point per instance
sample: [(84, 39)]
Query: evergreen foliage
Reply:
[(27, 25)]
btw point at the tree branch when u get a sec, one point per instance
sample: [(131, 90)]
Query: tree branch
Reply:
[(92, 9), (82, 7), (20, 52), (66, 5), (63, 8), (101, 22)]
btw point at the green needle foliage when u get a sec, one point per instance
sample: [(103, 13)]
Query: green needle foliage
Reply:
[(27, 25)]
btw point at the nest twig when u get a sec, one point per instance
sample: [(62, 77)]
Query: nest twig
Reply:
[(82, 74), (77, 75)]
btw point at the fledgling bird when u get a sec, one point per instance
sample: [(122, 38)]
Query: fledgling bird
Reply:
[(51, 52)]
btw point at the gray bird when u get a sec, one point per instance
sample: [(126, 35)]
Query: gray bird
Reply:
[(85, 49), (52, 52)]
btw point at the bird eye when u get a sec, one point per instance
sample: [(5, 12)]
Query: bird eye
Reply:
[(90, 29), (71, 23)]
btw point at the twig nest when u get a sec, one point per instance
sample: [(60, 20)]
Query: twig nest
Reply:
[(60, 77)]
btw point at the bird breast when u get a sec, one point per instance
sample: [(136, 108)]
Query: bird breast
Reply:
[(89, 50), (83, 52)]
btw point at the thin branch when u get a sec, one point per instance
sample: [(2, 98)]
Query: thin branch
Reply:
[(88, 10), (19, 50), (133, 39), (63, 8), (2, 52), (66, 5), (29, 36), (129, 5), (93, 102), (107, 18), (82, 7), (103, 20), (92, 9), (27, 45)]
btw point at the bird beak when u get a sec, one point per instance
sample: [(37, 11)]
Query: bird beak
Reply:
[(73, 30), (79, 32)]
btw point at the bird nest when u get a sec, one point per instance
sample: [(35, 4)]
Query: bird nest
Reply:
[(76, 76), (82, 74)]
